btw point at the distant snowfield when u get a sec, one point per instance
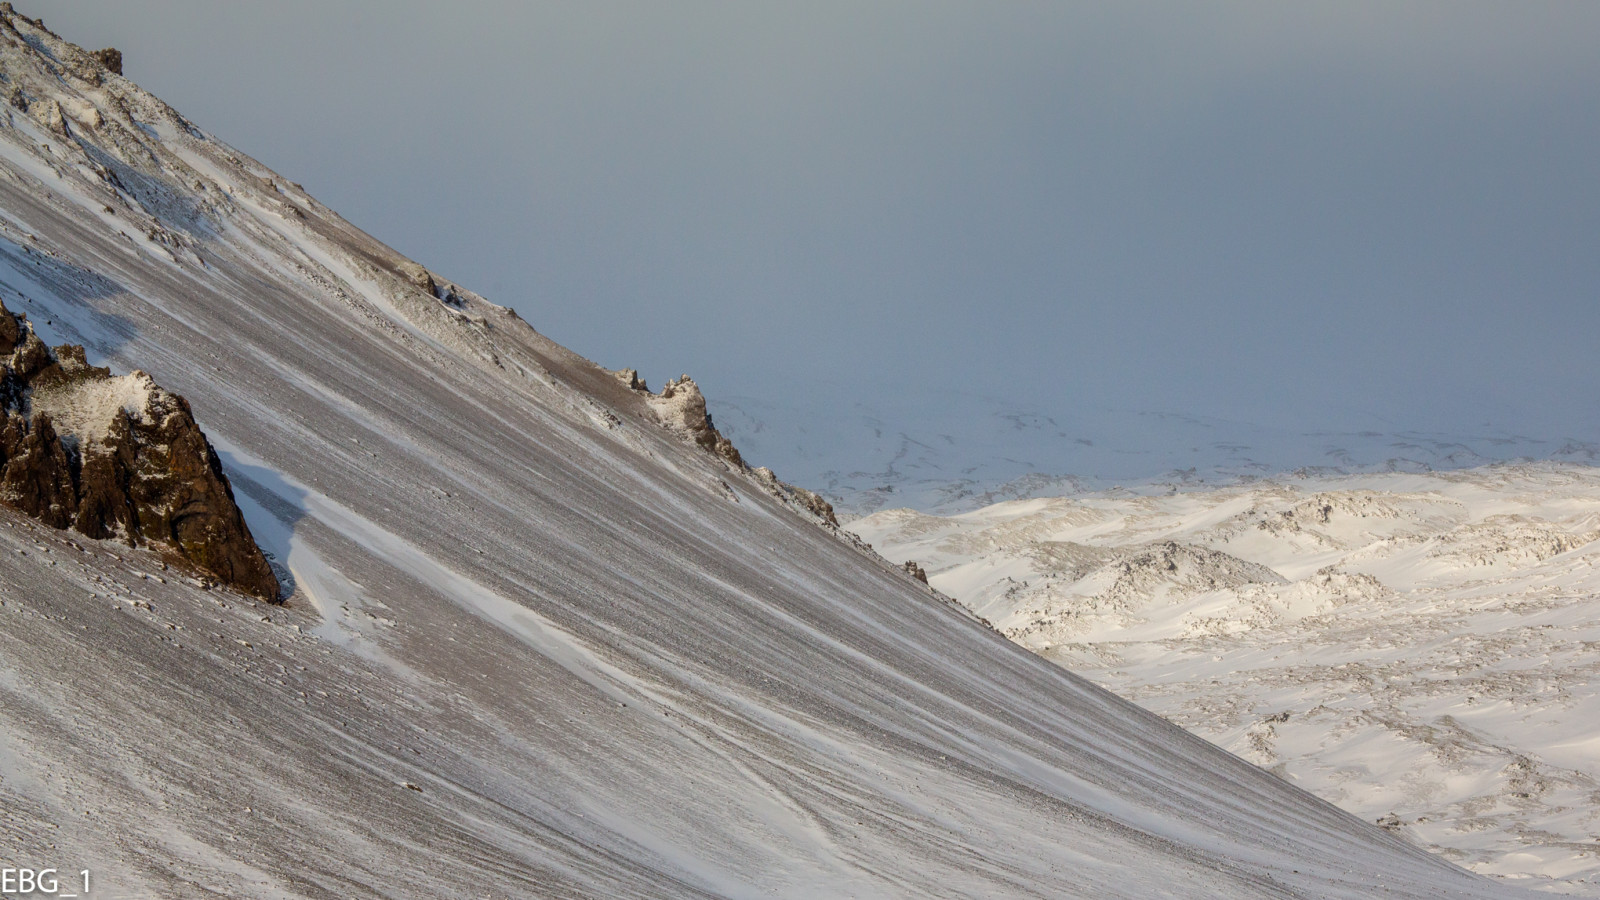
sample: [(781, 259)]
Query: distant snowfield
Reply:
[(1422, 650), (943, 450)]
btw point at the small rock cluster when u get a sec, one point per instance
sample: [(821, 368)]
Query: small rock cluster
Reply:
[(681, 407), (810, 501), (116, 458)]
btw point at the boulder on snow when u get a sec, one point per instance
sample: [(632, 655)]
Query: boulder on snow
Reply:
[(48, 113), (116, 457)]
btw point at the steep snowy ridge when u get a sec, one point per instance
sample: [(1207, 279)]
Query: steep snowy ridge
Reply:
[(535, 643), (1419, 649)]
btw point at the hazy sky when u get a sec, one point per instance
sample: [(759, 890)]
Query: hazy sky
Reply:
[(1295, 213)]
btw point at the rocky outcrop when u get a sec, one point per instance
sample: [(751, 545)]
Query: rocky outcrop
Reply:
[(682, 407), (798, 497), (116, 457), (419, 278), (1171, 568), (812, 502), (630, 377), (111, 58), (37, 478)]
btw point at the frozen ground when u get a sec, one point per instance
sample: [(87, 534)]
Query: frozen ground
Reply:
[(1419, 649), (535, 644)]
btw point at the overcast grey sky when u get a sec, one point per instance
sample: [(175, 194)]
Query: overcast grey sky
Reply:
[(1306, 214)]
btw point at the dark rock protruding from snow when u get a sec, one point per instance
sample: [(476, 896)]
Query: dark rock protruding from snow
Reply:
[(916, 571), (1184, 568), (116, 457), (111, 58), (813, 502)]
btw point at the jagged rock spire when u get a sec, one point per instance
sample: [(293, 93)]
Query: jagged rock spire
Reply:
[(116, 457)]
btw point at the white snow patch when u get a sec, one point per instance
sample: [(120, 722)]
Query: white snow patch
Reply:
[(86, 408)]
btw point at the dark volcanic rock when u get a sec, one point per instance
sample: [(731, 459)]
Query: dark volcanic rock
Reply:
[(37, 478), (116, 457), (110, 57)]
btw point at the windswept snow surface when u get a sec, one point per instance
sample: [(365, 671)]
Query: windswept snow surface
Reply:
[(1420, 649), (535, 644)]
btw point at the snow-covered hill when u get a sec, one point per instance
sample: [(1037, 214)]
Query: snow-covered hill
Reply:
[(1419, 649), (940, 449), (536, 642)]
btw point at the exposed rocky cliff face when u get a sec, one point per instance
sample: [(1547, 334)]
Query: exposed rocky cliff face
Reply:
[(116, 457)]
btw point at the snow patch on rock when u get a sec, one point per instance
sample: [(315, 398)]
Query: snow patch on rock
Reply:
[(86, 408)]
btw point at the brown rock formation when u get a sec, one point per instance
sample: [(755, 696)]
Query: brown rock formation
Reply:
[(813, 503), (683, 408), (37, 478), (420, 278), (116, 457), (799, 497), (630, 377), (110, 57)]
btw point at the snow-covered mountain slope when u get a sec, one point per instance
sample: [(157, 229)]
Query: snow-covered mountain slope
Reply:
[(536, 643), (939, 449), (1419, 649)]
